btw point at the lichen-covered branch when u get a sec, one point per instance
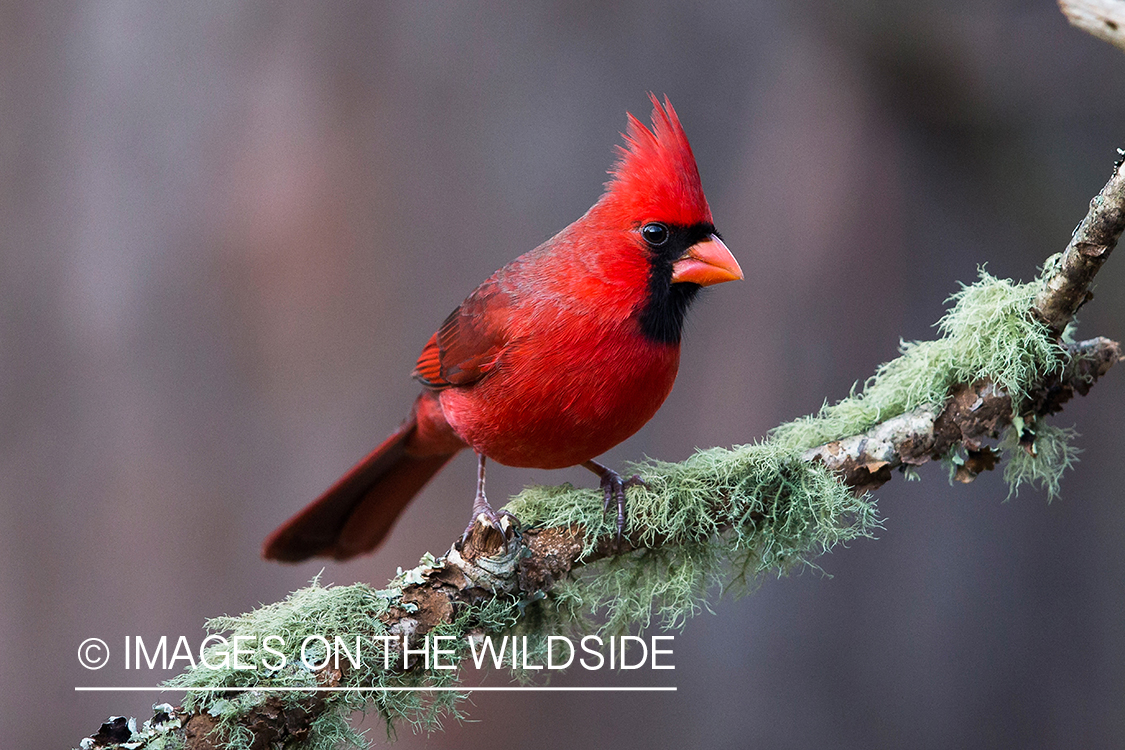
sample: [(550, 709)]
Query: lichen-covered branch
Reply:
[(999, 368), (1068, 288), (974, 413)]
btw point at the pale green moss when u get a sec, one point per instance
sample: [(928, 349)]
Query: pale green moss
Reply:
[(1042, 465), (779, 511), (722, 519), (988, 333), (345, 611)]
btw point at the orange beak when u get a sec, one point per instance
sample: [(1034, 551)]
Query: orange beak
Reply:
[(706, 263)]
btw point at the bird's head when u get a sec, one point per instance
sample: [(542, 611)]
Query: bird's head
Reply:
[(655, 195)]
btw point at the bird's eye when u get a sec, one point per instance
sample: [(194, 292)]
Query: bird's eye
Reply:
[(655, 234)]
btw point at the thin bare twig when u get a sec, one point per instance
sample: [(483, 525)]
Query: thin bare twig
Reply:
[(1104, 19)]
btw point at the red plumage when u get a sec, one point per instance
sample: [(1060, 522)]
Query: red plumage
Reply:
[(655, 174), (557, 357)]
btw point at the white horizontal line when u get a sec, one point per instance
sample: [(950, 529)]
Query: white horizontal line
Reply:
[(499, 689)]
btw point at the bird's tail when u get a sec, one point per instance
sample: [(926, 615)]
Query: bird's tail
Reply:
[(355, 514)]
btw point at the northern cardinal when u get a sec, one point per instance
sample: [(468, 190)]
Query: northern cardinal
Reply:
[(556, 358)]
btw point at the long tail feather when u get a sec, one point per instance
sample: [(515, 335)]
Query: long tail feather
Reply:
[(354, 515)]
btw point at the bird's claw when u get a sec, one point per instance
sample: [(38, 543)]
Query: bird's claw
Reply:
[(613, 487), (486, 516)]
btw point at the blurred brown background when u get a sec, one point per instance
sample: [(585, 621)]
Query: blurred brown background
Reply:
[(228, 228)]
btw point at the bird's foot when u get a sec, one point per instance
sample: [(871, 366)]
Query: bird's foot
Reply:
[(491, 520), (613, 486)]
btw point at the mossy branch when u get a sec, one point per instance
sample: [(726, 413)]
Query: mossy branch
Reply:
[(1001, 364)]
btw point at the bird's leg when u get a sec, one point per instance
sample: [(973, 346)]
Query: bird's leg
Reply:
[(481, 506), (614, 488)]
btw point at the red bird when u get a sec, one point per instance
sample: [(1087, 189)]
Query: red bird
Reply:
[(556, 358)]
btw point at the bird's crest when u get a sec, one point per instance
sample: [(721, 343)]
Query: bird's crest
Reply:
[(655, 177)]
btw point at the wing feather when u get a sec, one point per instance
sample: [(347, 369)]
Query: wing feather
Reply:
[(469, 343)]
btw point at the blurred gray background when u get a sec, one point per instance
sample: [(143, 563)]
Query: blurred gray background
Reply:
[(228, 229)]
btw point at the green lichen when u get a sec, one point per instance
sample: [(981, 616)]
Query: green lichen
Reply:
[(1049, 452), (988, 333), (330, 611), (717, 522), (776, 511)]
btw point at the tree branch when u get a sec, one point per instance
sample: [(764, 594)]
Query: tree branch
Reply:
[(487, 583), (490, 567), (1093, 240), (972, 414)]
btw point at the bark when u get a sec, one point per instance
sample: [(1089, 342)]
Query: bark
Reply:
[(491, 564)]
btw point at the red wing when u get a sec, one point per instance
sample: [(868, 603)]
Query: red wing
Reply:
[(470, 341)]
